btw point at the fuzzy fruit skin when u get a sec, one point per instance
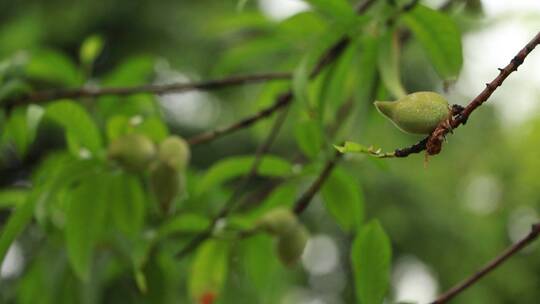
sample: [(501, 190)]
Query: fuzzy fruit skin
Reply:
[(166, 173), (166, 184), (417, 113), (278, 221), (291, 245), (133, 152), (174, 151)]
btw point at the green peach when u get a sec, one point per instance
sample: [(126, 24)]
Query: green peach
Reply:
[(166, 184), (417, 113), (291, 245), (277, 221), (133, 152), (174, 151)]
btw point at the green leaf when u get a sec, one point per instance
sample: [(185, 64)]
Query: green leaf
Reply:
[(309, 137), (154, 128), (340, 10), (56, 174), (304, 26), (367, 66), (388, 63), (439, 35), (56, 171), (140, 280), (352, 147), (344, 200), (245, 55), (301, 80), (241, 4), (263, 269), (53, 66), (90, 49), (232, 167), (81, 131), (16, 132), (183, 223), (21, 127), (132, 71), (117, 126), (34, 113), (14, 88), (209, 270), (341, 80), (86, 221), (371, 254), (17, 221), (283, 196), (126, 199), (12, 197), (305, 68), (143, 105)]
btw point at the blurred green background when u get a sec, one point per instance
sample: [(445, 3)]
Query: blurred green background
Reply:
[(444, 220)]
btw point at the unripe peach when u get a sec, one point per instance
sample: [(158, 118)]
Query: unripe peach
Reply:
[(174, 151), (417, 113), (133, 152), (277, 221), (290, 245), (166, 184)]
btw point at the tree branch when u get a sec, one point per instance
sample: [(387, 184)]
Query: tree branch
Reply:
[(158, 89), (303, 202), (230, 204), (261, 151), (330, 55), (208, 136), (492, 265), (434, 141)]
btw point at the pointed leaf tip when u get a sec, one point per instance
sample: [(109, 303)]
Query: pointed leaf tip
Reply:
[(340, 149)]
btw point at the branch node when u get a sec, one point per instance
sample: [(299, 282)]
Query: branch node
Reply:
[(491, 87), (517, 61), (456, 109), (462, 118), (433, 142)]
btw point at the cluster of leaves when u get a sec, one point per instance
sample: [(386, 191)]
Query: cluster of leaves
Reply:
[(103, 221)]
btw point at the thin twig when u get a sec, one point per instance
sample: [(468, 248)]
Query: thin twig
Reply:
[(461, 119), (231, 202), (492, 265), (261, 151), (303, 202), (158, 89), (329, 56), (208, 136), (261, 194)]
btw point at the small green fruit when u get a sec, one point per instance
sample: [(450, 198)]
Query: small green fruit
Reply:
[(278, 221), (166, 184), (290, 245), (174, 151), (417, 113), (133, 152)]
